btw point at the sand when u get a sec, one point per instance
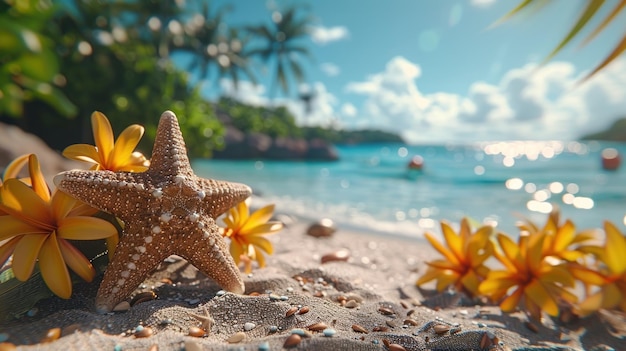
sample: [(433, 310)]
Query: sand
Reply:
[(378, 277)]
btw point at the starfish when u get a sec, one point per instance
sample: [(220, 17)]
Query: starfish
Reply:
[(166, 210)]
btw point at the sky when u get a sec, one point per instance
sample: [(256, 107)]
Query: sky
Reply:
[(437, 71)]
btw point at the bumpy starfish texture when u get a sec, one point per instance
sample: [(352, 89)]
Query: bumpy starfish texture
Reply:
[(166, 210)]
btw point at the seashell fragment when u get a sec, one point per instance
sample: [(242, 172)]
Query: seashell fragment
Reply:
[(441, 329), (143, 332), (304, 310), (237, 337), (396, 347), (359, 329), (337, 256), (143, 297), (317, 326), (292, 341), (197, 332), (290, 312), (322, 229)]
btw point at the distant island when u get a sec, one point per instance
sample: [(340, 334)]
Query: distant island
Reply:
[(616, 132)]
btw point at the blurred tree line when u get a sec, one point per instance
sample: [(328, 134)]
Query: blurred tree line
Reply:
[(60, 61)]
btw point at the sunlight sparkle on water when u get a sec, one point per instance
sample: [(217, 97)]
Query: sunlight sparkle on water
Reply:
[(514, 183), (582, 202), (556, 187), (479, 170), (538, 206), (530, 188), (541, 195)]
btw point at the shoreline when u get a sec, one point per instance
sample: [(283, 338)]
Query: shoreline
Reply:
[(379, 276)]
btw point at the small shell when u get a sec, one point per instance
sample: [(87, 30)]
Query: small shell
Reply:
[(441, 329), (351, 304), (290, 312), (380, 328), (385, 311), (337, 256), (51, 335), (410, 321), (143, 332), (317, 326), (197, 332), (143, 297), (359, 329), (122, 307), (249, 326), (292, 341), (396, 347), (237, 337), (304, 310)]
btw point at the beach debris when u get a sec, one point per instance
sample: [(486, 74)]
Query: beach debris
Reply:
[(197, 332), (441, 329), (351, 304), (323, 228), (273, 328), (319, 326), (393, 347), (301, 332), (303, 310), (385, 311), (274, 297), (122, 307), (143, 332), (329, 332), (220, 293), (249, 326), (51, 335), (192, 346), (237, 337), (264, 346), (291, 311), (410, 321), (292, 341), (142, 297), (171, 185), (380, 328), (359, 329), (338, 256)]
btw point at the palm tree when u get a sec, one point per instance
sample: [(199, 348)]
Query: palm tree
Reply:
[(283, 43), (587, 14)]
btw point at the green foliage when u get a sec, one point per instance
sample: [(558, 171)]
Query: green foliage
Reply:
[(28, 65), (616, 132), (275, 122)]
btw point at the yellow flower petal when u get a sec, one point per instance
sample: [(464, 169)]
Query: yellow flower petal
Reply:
[(537, 293), (85, 228), (112, 244), (263, 244), (511, 252), (38, 182), (430, 274), (471, 282), (587, 275), (263, 229), (454, 241), (53, 269), (14, 167), (258, 255), (236, 250), (442, 249), (7, 248), (25, 255), (11, 226), (564, 236), (62, 204), (82, 152), (103, 136), (591, 304), (490, 286), (258, 217), (446, 278), (611, 296), (444, 264), (126, 142), (76, 260), (615, 248), (20, 201), (510, 303)]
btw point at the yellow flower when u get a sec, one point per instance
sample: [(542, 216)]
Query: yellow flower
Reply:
[(107, 154), (463, 263), (246, 232), (529, 277), (611, 276), (39, 227), (561, 241)]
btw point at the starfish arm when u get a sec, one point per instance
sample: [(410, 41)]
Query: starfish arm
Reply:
[(118, 193), (222, 195), (206, 250), (169, 155), (138, 254)]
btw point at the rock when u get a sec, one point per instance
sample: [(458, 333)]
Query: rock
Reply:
[(324, 228), (243, 146), (321, 150), (287, 149), (15, 142)]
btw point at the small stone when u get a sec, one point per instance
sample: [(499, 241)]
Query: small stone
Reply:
[(122, 307), (220, 293), (337, 256), (291, 311), (143, 297), (359, 329), (273, 329), (197, 332), (301, 332), (264, 346), (248, 326), (237, 337), (351, 304), (143, 332), (193, 301), (441, 329), (284, 298), (322, 229), (292, 341), (317, 326), (51, 335), (117, 347), (274, 297), (329, 332), (385, 311), (304, 310), (396, 347)]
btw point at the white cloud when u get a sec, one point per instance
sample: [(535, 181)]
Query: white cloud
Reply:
[(348, 110), (529, 102), (324, 35), (330, 69), (246, 92), (482, 3)]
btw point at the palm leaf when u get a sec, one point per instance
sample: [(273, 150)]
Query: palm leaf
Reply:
[(619, 49), (606, 21), (522, 5)]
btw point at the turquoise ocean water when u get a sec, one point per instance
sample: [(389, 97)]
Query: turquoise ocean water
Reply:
[(371, 189)]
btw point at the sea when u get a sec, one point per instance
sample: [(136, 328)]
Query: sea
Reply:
[(371, 188)]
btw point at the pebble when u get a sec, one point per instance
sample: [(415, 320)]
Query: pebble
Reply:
[(273, 329), (264, 346), (284, 298), (351, 304), (337, 256), (143, 332), (304, 310), (292, 341), (290, 312), (274, 297), (220, 293), (197, 332), (32, 312), (317, 326), (192, 346), (51, 335), (323, 228), (237, 337), (248, 326), (359, 329), (143, 297), (396, 347), (329, 332), (117, 347)]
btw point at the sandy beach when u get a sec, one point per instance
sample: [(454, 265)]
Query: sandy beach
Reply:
[(367, 302)]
